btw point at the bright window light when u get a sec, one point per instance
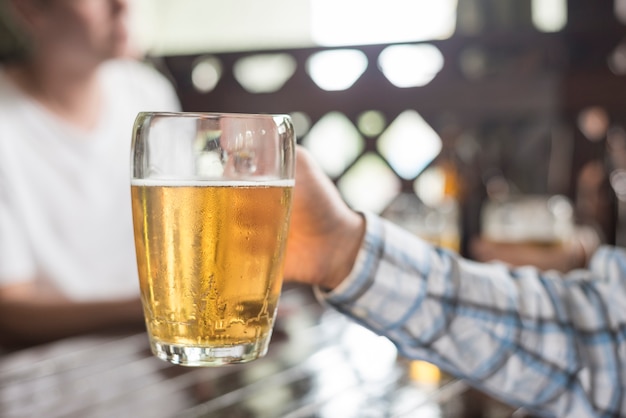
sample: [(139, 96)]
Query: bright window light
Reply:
[(357, 22), (410, 65), (371, 122), (430, 186), (335, 142), (549, 15), (369, 184), (264, 73), (409, 144), (336, 70), (166, 27), (206, 74)]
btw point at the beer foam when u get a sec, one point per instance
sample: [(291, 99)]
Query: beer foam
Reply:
[(213, 183)]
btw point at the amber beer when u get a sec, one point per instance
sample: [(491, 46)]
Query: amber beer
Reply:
[(210, 260)]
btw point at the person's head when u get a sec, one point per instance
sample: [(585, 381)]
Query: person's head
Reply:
[(75, 32)]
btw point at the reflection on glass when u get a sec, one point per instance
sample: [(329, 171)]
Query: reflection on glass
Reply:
[(354, 22), (410, 65), (549, 15), (206, 73), (370, 184), (264, 73), (350, 379), (409, 144), (336, 69), (334, 142), (371, 122)]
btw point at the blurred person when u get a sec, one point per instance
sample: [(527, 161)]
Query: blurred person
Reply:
[(550, 342), (67, 105)]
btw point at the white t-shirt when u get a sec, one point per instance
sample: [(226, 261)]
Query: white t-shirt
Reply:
[(65, 217)]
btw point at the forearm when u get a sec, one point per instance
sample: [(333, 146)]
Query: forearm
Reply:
[(519, 335), (35, 321)]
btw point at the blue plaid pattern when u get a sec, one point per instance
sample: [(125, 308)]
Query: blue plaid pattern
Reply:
[(554, 344)]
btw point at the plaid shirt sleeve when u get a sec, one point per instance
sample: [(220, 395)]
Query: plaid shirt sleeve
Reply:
[(553, 344)]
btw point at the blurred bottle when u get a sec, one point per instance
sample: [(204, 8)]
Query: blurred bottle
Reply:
[(439, 188)]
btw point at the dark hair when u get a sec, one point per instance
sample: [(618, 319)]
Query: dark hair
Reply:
[(13, 44)]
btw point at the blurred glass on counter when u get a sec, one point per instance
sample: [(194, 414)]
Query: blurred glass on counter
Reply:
[(432, 212), (536, 220), (437, 224)]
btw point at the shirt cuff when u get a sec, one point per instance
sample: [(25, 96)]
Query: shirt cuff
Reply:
[(605, 261), (364, 266)]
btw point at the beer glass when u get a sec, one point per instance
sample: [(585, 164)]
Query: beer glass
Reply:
[(541, 221), (211, 201)]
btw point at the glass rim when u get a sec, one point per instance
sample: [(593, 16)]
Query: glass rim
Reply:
[(213, 115)]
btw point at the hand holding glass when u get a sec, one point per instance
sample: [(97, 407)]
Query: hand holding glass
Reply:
[(211, 200)]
